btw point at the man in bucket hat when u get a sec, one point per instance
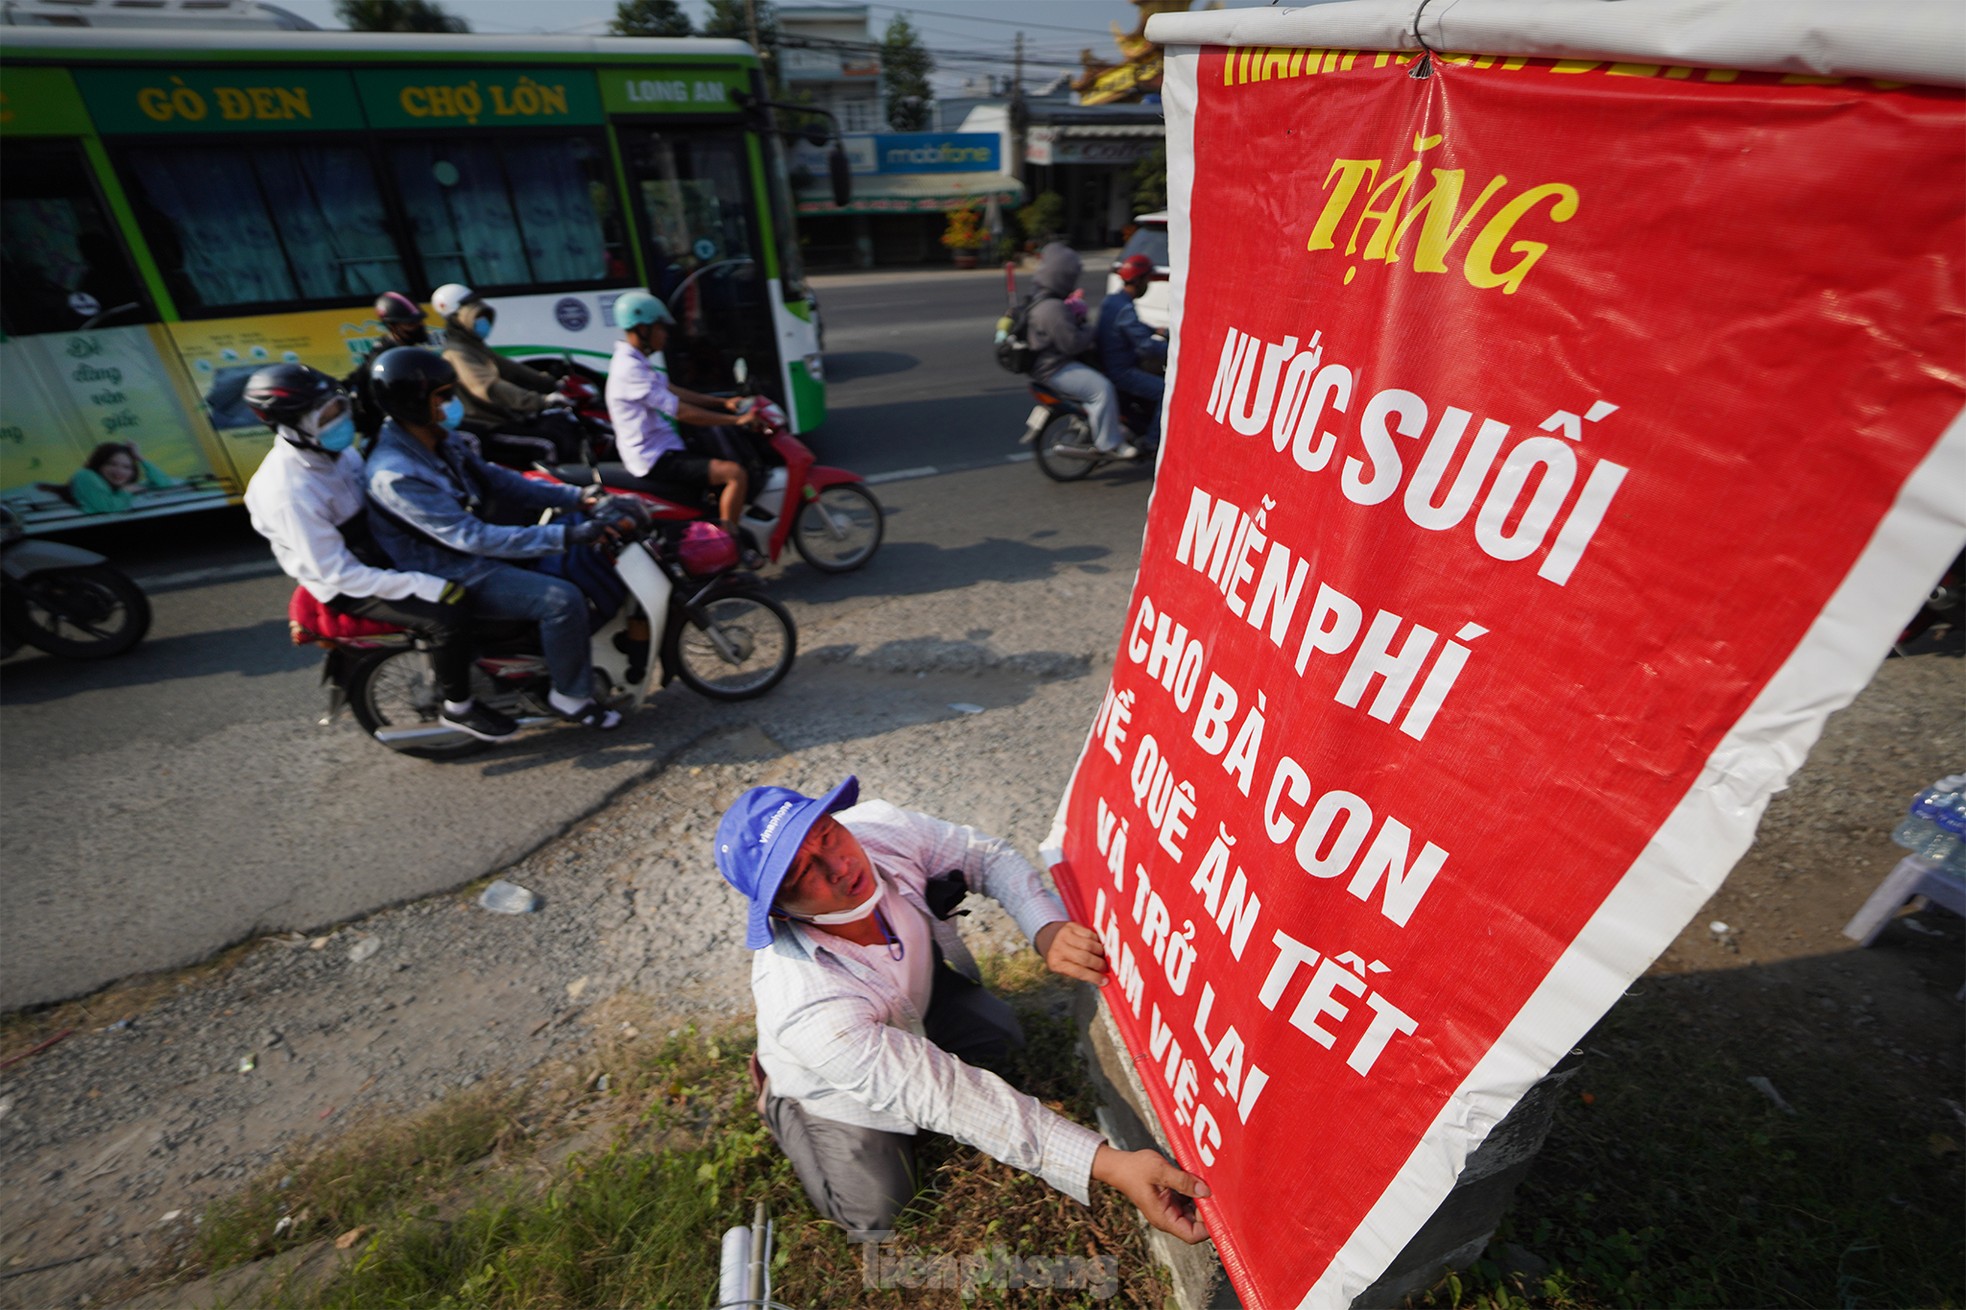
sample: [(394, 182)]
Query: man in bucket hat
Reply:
[(871, 1021)]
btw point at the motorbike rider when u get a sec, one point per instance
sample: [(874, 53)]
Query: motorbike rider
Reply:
[(500, 394), (437, 508), (1125, 343), (645, 407), (1058, 334), (402, 325), (307, 499)]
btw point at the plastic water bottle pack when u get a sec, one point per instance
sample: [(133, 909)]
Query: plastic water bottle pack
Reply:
[(1935, 828)]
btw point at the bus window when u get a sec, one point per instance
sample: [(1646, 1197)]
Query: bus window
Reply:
[(263, 225), (694, 198), (466, 199), (61, 266), (791, 260)]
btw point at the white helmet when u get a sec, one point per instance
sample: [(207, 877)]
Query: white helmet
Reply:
[(451, 297)]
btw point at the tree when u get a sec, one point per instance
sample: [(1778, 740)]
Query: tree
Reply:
[(397, 16), (905, 67), (650, 18), (732, 18)]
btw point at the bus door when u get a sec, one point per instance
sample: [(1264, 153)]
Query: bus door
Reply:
[(94, 411), (696, 207)]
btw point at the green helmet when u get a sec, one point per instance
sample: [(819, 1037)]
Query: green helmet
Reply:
[(633, 309)]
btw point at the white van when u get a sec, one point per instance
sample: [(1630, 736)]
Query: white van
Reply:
[(1149, 239)]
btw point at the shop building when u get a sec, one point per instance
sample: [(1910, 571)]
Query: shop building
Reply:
[(1088, 154), (904, 186), (828, 58)]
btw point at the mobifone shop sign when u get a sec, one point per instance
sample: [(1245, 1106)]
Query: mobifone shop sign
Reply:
[(937, 152), (1524, 510)]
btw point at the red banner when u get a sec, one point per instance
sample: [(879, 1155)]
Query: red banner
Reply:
[(1551, 447)]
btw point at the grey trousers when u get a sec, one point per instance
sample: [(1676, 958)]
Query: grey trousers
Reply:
[(860, 1178)]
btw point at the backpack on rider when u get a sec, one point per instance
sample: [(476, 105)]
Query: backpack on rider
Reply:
[(1014, 353)]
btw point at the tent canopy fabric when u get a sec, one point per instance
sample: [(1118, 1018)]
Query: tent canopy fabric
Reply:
[(914, 193), (1920, 41), (1106, 130)]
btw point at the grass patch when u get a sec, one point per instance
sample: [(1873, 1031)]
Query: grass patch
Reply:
[(1677, 1184), (360, 1179), (637, 1219)]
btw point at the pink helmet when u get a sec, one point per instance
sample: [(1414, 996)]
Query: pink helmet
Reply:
[(705, 548)]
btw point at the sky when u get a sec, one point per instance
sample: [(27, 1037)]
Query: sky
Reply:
[(970, 36)]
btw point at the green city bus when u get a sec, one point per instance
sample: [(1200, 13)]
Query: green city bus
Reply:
[(177, 209)]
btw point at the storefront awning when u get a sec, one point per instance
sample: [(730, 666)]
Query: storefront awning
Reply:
[(1097, 130), (913, 193)]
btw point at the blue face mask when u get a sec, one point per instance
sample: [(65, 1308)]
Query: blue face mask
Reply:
[(453, 412), (482, 327), (337, 436)]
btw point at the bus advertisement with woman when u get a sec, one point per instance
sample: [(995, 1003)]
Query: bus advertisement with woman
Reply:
[(177, 210)]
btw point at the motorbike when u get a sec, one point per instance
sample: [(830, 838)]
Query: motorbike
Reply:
[(690, 613), (65, 600), (830, 517), (1060, 434), (1944, 607), (578, 403)]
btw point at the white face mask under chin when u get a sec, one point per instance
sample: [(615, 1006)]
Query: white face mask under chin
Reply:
[(854, 915)]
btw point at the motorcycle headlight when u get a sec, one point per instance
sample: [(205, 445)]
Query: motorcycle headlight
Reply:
[(816, 366)]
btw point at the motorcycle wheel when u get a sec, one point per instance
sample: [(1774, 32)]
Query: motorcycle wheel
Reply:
[(1064, 448), (839, 529), (742, 646), (89, 613), (397, 689)]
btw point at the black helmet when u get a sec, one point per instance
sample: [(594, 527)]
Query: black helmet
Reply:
[(403, 380), (281, 395), (395, 307)]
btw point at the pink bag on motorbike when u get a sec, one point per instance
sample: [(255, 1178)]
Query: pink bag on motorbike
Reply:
[(705, 548)]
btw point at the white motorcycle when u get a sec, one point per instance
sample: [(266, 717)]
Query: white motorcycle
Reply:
[(688, 613)]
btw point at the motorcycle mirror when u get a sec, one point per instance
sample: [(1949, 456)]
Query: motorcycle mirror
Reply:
[(741, 371), (842, 176), (815, 132)]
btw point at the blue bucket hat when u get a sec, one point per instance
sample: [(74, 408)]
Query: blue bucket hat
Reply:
[(758, 838)]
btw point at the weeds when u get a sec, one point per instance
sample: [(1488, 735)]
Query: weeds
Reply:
[(358, 1180), (638, 1220)]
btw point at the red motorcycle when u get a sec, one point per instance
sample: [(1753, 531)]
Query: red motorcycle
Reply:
[(687, 610), (827, 513)]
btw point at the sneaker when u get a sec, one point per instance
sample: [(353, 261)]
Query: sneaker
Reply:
[(591, 715), (1125, 450), (480, 721)]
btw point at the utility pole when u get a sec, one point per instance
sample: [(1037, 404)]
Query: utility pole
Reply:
[(751, 17), (1018, 114)]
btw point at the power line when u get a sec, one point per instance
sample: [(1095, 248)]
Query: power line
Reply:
[(969, 18)]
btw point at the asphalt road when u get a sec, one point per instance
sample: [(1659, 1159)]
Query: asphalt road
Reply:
[(163, 805)]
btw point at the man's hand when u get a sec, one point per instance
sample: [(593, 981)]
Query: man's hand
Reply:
[(1072, 949), (1159, 1190), (589, 531), (592, 495)]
